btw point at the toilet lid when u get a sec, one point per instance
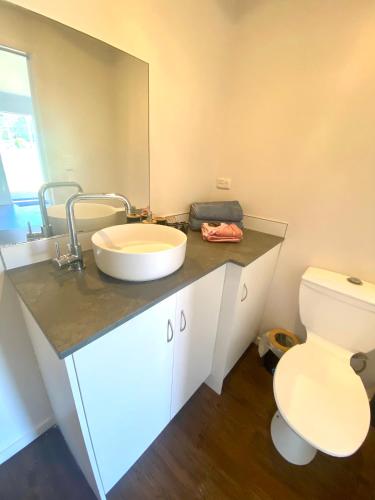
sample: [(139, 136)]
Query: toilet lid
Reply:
[(322, 399)]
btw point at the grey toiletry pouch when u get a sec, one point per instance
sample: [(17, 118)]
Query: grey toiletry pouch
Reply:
[(195, 224), (224, 211)]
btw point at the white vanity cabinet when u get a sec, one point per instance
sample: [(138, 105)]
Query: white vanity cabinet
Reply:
[(125, 379), (197, 316), (134, 379), (114, 396), (249, 305), (244, 298)]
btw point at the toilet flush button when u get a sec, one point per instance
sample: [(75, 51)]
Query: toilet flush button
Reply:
[(354, 280)]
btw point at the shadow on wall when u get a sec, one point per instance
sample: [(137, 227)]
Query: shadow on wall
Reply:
[(236, 9), (25, 406), (368, 376)]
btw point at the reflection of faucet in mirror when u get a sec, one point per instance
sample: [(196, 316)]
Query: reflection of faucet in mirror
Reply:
[(74, 258), (46, 229)]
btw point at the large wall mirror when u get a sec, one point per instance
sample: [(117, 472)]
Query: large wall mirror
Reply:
[(73, 116)]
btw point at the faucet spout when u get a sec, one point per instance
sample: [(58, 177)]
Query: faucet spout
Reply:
[(74, 258), (46, 226)]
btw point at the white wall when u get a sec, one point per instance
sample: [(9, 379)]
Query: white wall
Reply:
[(187, 44), (130, 90), (25, 411), (300, 136), (14, 76)]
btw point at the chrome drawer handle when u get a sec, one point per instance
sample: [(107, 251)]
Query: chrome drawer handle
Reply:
[(182, 321), (169, 329), (244, 295)]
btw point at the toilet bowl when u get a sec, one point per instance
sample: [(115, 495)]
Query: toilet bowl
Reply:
[(322, 403)]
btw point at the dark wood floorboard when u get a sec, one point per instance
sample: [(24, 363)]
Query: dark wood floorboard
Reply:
[(217, 447), (44, 470)]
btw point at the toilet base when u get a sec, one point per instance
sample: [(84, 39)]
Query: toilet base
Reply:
[(289, 444)]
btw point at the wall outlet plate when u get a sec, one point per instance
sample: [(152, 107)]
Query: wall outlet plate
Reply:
[(223, 183)]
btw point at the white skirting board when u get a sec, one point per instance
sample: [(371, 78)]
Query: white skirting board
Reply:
[(26, 439)]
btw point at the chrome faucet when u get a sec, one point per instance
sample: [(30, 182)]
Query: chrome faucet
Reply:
[(46, 228), (74, 258)]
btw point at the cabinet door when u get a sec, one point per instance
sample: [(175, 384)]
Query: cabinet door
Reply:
[(197, 314), (251, 298), (125, 379)]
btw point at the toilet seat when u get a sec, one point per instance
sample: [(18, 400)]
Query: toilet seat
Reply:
[(321, 397)]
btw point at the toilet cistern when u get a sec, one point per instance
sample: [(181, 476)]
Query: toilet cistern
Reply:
[(74, 259)]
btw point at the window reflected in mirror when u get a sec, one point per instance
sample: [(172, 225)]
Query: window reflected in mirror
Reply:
[(73, 116), (21, 171)]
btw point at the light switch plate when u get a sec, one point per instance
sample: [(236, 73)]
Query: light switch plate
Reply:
[(223, 183)]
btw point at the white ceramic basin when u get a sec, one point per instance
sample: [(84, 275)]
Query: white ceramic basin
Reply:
[(139, 252), (88, 217)]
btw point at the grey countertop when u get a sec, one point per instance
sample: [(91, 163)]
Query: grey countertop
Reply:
[(74, 308)]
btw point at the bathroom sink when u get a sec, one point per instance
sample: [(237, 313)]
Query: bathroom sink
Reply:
[(88, 217), (139, 252)]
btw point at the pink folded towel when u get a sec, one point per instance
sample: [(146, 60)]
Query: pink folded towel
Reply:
[(221, 233)]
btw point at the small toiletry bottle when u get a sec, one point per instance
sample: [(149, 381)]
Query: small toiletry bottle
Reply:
[(144, 214), (133, 216), (161, 220)]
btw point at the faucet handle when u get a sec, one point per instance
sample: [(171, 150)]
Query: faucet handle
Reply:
[(30, 235), (70, 260)]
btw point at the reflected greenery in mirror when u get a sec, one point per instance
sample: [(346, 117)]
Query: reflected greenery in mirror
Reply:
[(74, 113)]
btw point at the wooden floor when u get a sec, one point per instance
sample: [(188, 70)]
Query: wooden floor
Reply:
[(217, 447)]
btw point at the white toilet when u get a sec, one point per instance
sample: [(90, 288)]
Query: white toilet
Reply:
[(322, 403)]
